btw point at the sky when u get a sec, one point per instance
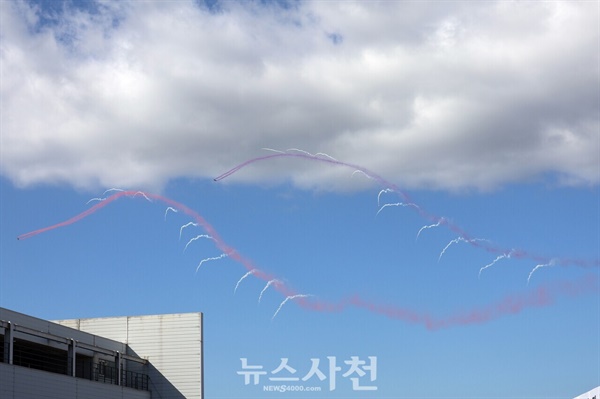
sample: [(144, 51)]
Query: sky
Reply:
[(410, 188)]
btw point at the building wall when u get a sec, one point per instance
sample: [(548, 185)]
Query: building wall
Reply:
[(593, 394), (26, 383), (171, 343)]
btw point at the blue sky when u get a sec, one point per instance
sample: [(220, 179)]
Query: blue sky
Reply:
[(467, 109)]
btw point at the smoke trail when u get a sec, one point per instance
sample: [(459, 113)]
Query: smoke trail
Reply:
[(197, 238), (510, 305), (184, 226), (402, 204), (290, 297), (439, 223), (111, 190), (405, 199), (551, 263), (503, 256), (456, 241), (273, 281), (143, 194), (385, 190), (362, 173), (209, 259), (542, 296), (243, 277), (170, 208), (95, 199)]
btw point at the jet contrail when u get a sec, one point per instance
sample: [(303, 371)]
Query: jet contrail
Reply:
[(196, 238), (551, 263), (273, 281), (439, 223), (243, 277), (169, 209), (184, 226), (402, 204), (223, 255), (503, 256), (287, 298)]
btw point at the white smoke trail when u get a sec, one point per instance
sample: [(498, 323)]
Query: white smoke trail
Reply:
[(299, 150), (503, 256), (402, 204), (269, 283), (243, 277), (111, 190), (456, 241), (270, 149), (209, 259), (551, 263), (143, 194), (197, 238), (184, 226), (322, 154), (363, 173), (95, 199), (169, 209), (385, 190), (287, 299), (440, 222)]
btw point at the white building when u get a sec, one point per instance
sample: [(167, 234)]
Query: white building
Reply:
[(136, 357), (593, 394)]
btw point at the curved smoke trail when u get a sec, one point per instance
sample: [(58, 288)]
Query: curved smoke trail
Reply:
[(391, 187), (542, 296)]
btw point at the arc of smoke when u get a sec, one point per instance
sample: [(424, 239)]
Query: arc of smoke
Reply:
[(170, 208), (199, 236), (402, 204), (457, 240), (406, 200), (143, 194), (243, 277), (512, 304), (223, 255), (551, 263), (322, 154), (362, 173), (431, 226), (112, 190), (95, 199), (269, 283), (288, 298), (385, 190), (184, 226), (503, 256)]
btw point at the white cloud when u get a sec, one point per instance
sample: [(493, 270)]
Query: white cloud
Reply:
[(439, 95)]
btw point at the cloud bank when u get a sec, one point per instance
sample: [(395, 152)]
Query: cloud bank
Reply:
[(430, 95)]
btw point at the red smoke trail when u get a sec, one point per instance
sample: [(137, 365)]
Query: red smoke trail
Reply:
[(219, 242), (514, 304), (515, 253)]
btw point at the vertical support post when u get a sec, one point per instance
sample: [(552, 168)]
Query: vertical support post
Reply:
[(72, 357), (118, 367), (9, 345)]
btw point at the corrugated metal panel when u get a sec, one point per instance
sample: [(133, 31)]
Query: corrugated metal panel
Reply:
[(24, 383), (172, 343)]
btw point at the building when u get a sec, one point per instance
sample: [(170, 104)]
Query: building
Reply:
[(593, 394), (137, 357)]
